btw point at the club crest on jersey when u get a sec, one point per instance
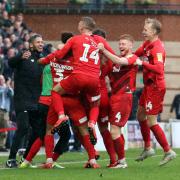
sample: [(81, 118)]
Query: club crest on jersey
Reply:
[(159, 57), (116, 68), (93, 43)]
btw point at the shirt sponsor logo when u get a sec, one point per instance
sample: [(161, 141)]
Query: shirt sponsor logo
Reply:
[(82, 120), (116, 68), (60, 66), (159, 57)]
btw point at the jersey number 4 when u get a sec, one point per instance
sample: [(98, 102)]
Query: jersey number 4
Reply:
[(93, 55)]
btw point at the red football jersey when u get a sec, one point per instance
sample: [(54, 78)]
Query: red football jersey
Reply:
[(123, 78), (85, 55), (59, 69), (106, 68), (153, 55)]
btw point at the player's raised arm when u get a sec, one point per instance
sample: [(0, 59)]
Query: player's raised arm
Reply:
[(47, 59), (115, 59), (158, 60), (125, 46), (59, 54)]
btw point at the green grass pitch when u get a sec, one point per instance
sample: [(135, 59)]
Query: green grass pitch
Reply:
[(73, 163)]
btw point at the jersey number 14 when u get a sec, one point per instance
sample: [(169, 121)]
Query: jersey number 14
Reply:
[(93, 55)]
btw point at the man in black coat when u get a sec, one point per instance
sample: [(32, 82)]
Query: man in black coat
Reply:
[(27, 89), (176, 106)]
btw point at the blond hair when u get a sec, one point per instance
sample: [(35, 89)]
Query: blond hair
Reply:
[(127, 37), (156, 24)]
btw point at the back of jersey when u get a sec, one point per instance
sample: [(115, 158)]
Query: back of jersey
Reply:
[(86, 56)]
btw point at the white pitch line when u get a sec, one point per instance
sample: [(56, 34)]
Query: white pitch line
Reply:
[(81, 162)]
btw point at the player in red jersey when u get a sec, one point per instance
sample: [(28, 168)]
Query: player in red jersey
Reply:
[(123, 84), (103, 119), (85, 76), (73, 108), (151, 101)]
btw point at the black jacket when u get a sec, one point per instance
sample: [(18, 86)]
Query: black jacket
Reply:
[(176, 105), (27, 81)]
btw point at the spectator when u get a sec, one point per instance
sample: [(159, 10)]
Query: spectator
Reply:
[(176, 106), (8, 70), (6, 93), (136, 96)]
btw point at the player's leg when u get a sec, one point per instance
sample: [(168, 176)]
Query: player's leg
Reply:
[(103, 121), (118, 141), (159, 134), (108, 142), (57, 104), (85, 138), (28, 156), (22, 129), (93, 95), (145, 130), (66, 86), (93, 116), (52, 117), (63, 142), (121, 105), (77, 113)]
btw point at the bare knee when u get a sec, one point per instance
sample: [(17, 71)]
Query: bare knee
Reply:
[(115, 132)]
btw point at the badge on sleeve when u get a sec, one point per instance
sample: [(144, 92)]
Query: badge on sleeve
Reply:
[(160, 57)]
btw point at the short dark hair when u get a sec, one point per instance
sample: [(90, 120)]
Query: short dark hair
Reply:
[(89, 22), (100, 32), (65, 36), (33, 37)]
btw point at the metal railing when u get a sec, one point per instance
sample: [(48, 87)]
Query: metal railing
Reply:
[(98, 8)]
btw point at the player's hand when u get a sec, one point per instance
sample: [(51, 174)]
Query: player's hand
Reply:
[(101, 46), (138, 62), (26, 54), (60, 46), (39, 60)]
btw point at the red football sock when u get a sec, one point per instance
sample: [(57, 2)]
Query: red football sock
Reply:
[(160, 136), (145, 131), (34, 149), (93, 114), (119, 147), (88, 146), (49, 145), (57, 102), (55, 156), (108, 142)]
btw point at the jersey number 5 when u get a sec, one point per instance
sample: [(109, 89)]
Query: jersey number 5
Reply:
[(94, 54), (118, 117)]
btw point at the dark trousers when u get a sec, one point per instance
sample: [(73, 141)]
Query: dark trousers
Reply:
[(39, 129), (25, 120)]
